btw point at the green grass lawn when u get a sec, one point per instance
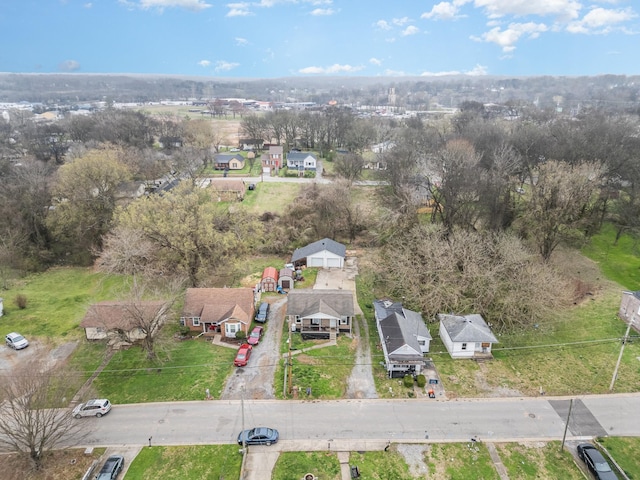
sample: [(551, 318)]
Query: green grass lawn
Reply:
[(378, 465), (270, 197), (194, 462), (456, 461), (625, 451), (295, 465), (311, 369), (183, 372), (538, 460), (56, 301), (619, 262)]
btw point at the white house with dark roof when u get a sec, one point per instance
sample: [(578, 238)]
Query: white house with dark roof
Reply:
[(325, 253), (466, 336), (301, 161), (404, 338), (320, 313)]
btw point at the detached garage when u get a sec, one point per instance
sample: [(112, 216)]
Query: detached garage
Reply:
[(325, 253)]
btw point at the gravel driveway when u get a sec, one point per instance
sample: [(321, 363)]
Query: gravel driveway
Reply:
[(257, 377)]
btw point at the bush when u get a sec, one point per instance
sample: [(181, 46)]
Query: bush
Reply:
[(21, 301), (421, 380), (241, 335), (408, 381)]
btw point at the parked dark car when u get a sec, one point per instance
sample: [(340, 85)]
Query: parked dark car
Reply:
[(111, 468), (596, 463), (263, 312), (259, 436)]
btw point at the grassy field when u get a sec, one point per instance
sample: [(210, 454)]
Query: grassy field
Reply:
[(183, 372), (195, 462), (56, 301), (271, 197)]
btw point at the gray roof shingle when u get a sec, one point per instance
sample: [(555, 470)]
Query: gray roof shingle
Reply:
[(467, 328), (335, 303), (319, 246)]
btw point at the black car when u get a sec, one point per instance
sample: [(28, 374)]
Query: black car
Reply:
[(258, 436), (263, 312), (596, 462), (111, 468)]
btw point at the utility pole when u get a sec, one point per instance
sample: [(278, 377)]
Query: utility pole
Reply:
[(624, 341), (289, 365), (566, 425)]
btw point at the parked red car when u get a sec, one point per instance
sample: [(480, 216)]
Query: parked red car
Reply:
[(243, 355), (255, 336)]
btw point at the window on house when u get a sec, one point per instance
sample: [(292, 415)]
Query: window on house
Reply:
[(297, 318), (422, 342), (183, 322), (100, 330), (464, 346), (196, 321), (315, 321), (232, 327)]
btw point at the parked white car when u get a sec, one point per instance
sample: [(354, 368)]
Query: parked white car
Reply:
[(16, 341), (93, 408)]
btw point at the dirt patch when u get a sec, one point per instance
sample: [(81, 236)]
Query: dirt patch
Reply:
[(307, 360), (414, 456), (58, 465)]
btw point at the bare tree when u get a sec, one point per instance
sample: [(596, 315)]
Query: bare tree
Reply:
[(560, 204), (349, 166), (33, 417), (470, 272)]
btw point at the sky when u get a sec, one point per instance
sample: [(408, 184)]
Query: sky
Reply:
[(314, 38)]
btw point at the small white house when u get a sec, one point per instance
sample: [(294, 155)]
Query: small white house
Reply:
[(302, 161), (466, 336)]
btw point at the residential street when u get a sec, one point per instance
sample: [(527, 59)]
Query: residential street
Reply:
[(313, 424)]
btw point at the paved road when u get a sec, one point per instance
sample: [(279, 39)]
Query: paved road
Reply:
[(378, 420)]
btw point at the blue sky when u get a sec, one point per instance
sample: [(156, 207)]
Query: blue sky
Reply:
[(281, 38)]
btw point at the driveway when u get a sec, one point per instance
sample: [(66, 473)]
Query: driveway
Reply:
[(35, 352), (256, 379)]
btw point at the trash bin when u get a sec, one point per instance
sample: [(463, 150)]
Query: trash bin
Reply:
[(355, 473)]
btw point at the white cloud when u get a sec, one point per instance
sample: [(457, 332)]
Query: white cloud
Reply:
[(335, 68), (508, 37), (601, 20), (375, 61), (194, 5), (323, 12), (410, 30), (69, 66), (394, 73), (88, 5), (562, 9), (475, 71), (241, 42), (439, 74), (224, 66), (204, 63), (400, 21), (478, 70), (382, 25), (238, 9), (443, 11)]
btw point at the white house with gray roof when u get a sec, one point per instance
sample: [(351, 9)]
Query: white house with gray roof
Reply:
[(320, 313), (301, 161), (466, 336), (325, 253), (404, 338)]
